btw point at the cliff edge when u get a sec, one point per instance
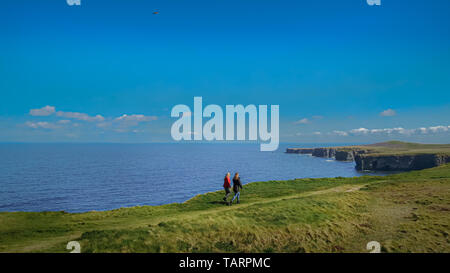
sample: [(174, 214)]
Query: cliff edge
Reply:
[(385, 156)]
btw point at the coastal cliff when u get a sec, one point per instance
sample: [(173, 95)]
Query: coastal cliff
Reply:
[(340, 154), (399, 162), (299, 150), (386, 156), (344, 155), (413, 203)]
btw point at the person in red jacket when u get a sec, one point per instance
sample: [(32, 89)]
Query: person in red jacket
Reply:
[(227, 186)]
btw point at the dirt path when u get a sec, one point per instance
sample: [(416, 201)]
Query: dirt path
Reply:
[(194, 214)]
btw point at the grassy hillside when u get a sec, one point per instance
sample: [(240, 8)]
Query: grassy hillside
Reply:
[(407, 212), (402, 148)]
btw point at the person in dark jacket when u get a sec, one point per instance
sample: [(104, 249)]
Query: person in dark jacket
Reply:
[(237, 186), (227, 186)]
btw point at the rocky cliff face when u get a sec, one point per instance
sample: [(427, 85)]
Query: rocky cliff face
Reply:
[(299, 150), (324, 152), (399, 162), (367, 161), (344, 155), (337, 153)]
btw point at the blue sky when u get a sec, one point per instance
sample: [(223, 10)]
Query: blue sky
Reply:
[(332, 66)]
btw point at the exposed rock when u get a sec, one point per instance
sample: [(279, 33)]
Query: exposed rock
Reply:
[(324, 152), (344, 155), (369, 159), (399, 162), (299, 150)]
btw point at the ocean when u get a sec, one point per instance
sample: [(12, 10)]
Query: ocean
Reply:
[(85, 177)]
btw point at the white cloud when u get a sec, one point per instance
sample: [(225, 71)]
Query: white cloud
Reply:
[(80, 116), (50, 110), (437, 129), (44, 111), (375, 131), (317, 133), (136, 118), (396, 130), (422, 130), (302, 121), (388, 113), (359, 131), (392, 130), (122, 123), (41, 124), (340, 133)]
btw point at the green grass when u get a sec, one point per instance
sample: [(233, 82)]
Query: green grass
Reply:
[(403, 148), (407, 212)]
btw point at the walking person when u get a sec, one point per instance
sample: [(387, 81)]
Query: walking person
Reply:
[(237, 186), (227, 186)]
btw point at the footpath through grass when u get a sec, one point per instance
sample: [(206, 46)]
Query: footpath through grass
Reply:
[(407, 212)]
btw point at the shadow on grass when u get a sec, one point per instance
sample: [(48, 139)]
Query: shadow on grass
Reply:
[(219, 202)]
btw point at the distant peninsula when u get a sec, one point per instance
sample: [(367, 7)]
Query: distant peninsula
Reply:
[(385, 156)]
